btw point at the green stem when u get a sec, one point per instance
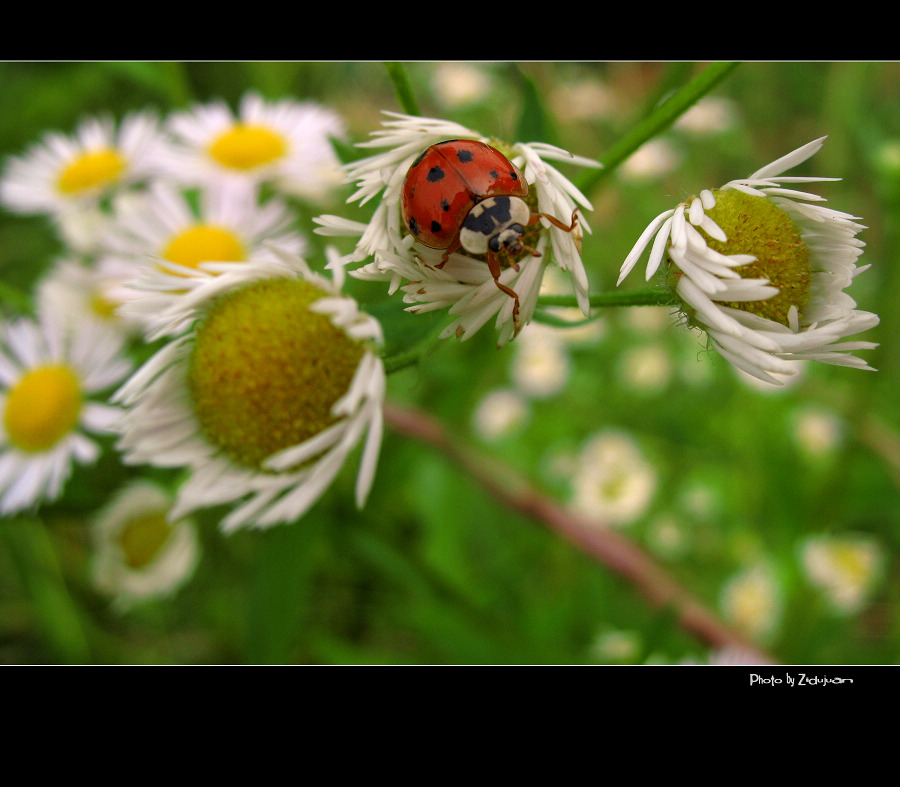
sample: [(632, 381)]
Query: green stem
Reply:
[(411, 355), (403, 88), (657, 121), (649, 297)]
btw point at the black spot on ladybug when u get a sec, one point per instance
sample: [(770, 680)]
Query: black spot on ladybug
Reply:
[(445, 205), (494, 174), (465, 156), (513, 175), (436, 227), (413, 226), (435, 174)]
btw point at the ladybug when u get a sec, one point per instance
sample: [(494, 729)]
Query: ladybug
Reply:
[(463, 193)]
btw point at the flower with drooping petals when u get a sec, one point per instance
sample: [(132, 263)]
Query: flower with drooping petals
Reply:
[(762, 269), (269, 381)]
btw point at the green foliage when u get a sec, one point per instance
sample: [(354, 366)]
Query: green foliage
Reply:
[(434, 569)]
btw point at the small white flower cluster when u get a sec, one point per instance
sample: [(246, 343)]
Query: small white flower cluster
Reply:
[(159, 218)]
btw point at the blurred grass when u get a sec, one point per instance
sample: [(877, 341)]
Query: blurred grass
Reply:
[(432, 571)]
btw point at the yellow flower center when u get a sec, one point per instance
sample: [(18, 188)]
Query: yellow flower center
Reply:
[(265, 371), (245, 147), (142, 538), (95, 169), (102, 306), (42, 407), (204, 243), (756, 225), (852, 562)]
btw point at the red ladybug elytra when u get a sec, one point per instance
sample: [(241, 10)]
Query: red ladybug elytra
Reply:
[(464, 193)]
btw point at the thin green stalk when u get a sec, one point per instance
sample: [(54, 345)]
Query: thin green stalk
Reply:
[(411, 355), (657, 121), (403, 88), (648, 297)]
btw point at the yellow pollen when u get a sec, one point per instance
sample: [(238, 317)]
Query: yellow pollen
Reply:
[(42, 407), (266, 371), (204, 243), (102, 306), (95, 169), (852, 561), (142, 538), (245, 147), (756, 225)]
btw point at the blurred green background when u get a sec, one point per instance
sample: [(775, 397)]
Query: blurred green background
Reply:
[(731, 481)]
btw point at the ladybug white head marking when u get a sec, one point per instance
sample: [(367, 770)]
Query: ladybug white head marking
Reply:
[(496, 224)]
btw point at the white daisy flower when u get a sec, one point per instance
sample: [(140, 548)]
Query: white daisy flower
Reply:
[(499, 413), (137, 553), (540, 366), (461, 281), (818, 432), (270, 381), (49, 377), (752, 600), (64, 173), (846, 568), (285, 143), (763, 271), (162, 235), (612, 480), (80, 291)]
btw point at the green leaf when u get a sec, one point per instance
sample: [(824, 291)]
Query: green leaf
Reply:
[(56, 613)]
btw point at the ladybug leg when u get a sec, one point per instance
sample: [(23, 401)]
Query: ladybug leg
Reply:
[(494, 267), (536, 217), (447, 252)]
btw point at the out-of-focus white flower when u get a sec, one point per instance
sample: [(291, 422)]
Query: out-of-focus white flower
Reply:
[(63, 172), (646, 369), (500, 412), (651, 161), (285, 143), (612, 480), (817, 431), (463, 284), (51, 382), (163, 235), (80, 291), (847, 568), (540, 364), (666, 537), (710, 115), (460, 84), (137, 553), (763, 271), (584, 99), (752, 601), (617, 645)]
